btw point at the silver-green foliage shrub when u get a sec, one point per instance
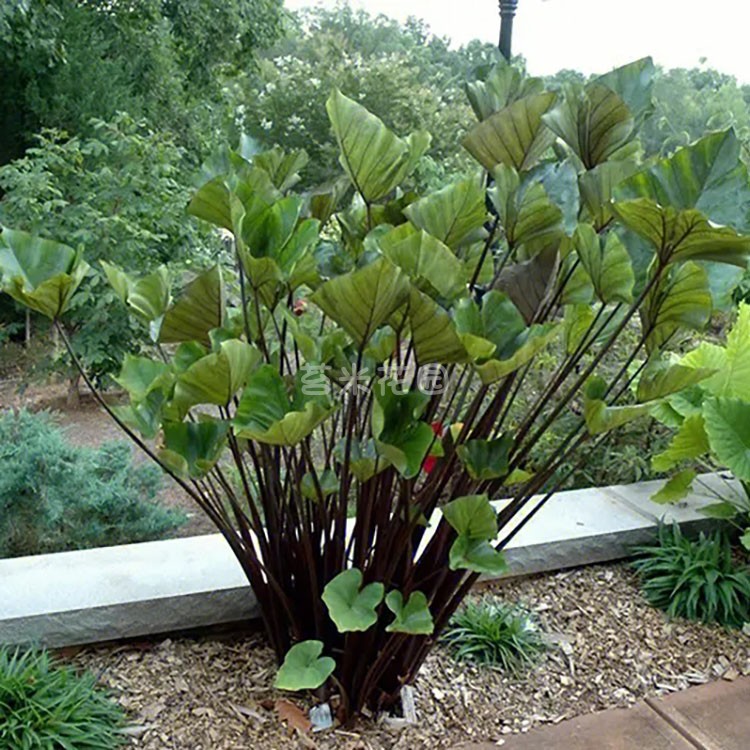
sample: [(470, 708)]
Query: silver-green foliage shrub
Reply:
[(56, 496)]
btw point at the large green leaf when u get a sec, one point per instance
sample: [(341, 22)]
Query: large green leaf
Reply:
[(662, 379), (515, 136), (527, 216), (430, 264), (200, 309), (607, 264), (531, 284), (40, 274), (602, 417), (217, 377), (700, 176), (533, 340), (361, 301), (680, 301), (486, 459), (413, 617), (433, 332), (351, 606), (727, 423), (282, 167), (455, 214), (676, 488), (304, 668), (147, 297), (597, 187), (191, 449), (501, 85), (689, 442), (634, 84), (266, 413), (731, 363), (594, 121), (399, 434), (376, 160), (679, 235), (141, 376)]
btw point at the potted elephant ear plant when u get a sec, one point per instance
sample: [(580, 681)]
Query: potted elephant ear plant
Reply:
[(350, 394)]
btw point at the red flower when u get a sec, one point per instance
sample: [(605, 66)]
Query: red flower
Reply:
[(429, 463), (300, 306)]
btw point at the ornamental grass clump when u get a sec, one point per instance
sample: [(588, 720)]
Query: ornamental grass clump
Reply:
[(697, 579), (44, 706), (347, 447), (495, 634)]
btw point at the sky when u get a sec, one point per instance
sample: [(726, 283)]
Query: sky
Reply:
[(592, 35)]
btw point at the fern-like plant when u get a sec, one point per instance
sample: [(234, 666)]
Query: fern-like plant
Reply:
[(44, 706), (495, 634), (694, 579)]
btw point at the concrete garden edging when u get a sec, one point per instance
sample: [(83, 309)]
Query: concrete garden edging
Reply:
[(73, 598)]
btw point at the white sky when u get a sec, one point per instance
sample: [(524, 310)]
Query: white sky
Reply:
[(592, 35)]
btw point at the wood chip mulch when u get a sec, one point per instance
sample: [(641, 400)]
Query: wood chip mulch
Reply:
[(608, 649)]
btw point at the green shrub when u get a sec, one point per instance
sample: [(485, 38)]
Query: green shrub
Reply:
[(48, 707), (697, 580), (55, 496), (495, 634)]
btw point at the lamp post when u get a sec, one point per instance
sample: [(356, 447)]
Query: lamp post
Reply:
[(507, 13)]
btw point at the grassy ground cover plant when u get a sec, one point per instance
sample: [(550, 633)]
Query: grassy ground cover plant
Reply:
[(365, 348), (44, 706), (496, 634), (695, 578)]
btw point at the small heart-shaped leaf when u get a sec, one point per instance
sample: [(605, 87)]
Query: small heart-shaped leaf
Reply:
[(350, 606), (304, 668), (414, 617)]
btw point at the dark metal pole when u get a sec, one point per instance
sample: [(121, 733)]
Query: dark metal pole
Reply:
[(507, 12)]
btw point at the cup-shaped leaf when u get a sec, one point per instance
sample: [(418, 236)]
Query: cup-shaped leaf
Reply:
[(430, 264), (267, 414), (594, 121), (200, 309), (634, 83), (433, 331), (147, 297), (607, 264), (413, 617), (681, 301), (527, 216), (682, 235), (351, 606), (515, 136), (140, 376), (698, 176), (217, 377), (41, 274), (602, 417), (498, 86), (455, 215), (486, 459), (191, 449), (376, 160), (304, 668), (363, 300), (399, 434)]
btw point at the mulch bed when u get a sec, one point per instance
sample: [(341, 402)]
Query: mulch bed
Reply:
[(609, 649)]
